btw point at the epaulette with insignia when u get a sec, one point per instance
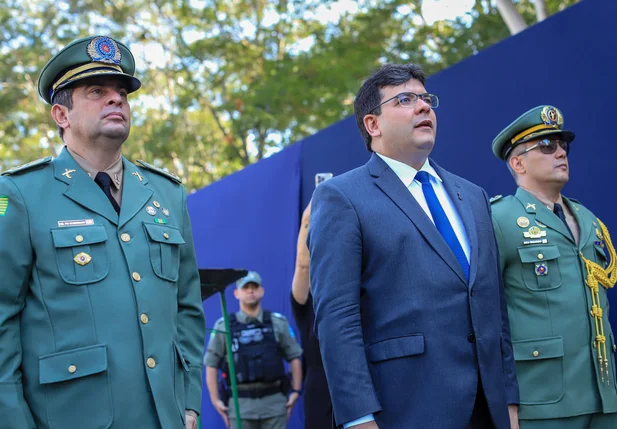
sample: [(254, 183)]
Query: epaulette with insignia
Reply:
[(27, 166), (159, 171), (495, 198)]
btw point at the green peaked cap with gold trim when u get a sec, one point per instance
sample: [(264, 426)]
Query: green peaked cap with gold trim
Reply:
[(540, 121), (84, 58)]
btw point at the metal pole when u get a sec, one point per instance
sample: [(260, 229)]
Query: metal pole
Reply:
[(230, 360)]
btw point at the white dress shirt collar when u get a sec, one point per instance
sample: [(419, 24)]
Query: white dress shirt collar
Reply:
[(407, 173)]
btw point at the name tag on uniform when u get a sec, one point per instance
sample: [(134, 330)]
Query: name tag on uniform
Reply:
[(79, 222), (540, 241)]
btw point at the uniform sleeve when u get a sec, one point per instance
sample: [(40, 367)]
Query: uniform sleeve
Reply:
[(286, 338), (191, 323), (16, 261), (499, 238), (215, 354)]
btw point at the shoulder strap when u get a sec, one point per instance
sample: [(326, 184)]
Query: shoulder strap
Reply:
[(160, 171), (495, 198), (28, 166)]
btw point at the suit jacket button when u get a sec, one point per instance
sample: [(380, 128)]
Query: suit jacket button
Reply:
[(151, 363), (471, 338)]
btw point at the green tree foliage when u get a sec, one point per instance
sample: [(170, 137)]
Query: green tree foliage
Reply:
[(227, 82)]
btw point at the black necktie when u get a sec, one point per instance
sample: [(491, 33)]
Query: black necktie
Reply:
[(104, 181), (558, 210)]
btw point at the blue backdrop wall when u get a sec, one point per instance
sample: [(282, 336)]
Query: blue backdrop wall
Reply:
[(250, 219)]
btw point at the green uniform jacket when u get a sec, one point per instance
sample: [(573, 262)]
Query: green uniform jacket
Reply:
[(549, 306), (101, 319)]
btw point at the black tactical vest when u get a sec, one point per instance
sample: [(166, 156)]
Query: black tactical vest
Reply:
[(257, 355)]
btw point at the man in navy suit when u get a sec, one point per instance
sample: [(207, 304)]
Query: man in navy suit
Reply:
[(409, 305)]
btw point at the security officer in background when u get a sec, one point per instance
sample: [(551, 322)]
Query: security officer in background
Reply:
[(260, 341), (558, 262), (101, 319)]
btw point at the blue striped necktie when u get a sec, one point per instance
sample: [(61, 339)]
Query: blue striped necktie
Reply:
[(441, 220)]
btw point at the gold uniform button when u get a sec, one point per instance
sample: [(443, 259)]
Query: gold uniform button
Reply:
[(125, 237), (136, 277), (79, 238), (536, 353), (166, 236), (540, 256), (151, 363), (144, 318), (72, 369)]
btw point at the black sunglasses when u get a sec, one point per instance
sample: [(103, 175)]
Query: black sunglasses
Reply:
[(549, 146)]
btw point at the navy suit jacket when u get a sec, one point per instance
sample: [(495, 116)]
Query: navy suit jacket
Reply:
[(402, 333)]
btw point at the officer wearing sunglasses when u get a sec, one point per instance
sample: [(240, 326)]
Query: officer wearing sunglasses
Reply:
[(556, 265)]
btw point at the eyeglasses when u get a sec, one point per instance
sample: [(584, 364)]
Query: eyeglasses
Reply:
[(549, 146), (409, 99)]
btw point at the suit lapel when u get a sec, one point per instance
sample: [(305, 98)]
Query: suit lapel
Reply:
[(542, 213), (135, 193), (463, 207), (81, 188), (394, 188)]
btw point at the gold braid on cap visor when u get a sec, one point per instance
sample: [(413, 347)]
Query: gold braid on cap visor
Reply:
[(90, 69)]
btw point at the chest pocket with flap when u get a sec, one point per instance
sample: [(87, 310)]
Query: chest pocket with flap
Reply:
[(164, 242), (81, 253), (540, 267)]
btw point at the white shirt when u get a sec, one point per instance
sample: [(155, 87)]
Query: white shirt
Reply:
[(407, 174)]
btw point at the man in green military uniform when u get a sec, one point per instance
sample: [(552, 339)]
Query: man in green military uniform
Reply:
[(260, 341), (557, 261), (101, 319)]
